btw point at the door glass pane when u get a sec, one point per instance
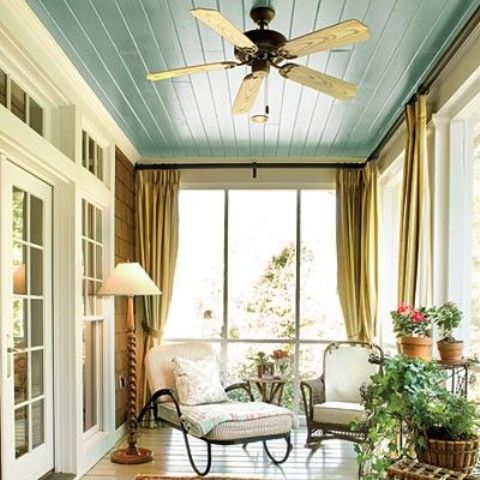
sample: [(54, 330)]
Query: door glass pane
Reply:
[(21, 431), (19, 269), (20, 375), (37, 373), (38, 424), (262, 264), (36, 220), (3, 88), (36, 271), (19, 214), (20, 324), (18, 100), (320, 312), (36, 316), (197, 304), (36, 116)]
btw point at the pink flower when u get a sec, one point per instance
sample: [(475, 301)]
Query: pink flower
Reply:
[(404, 309), (417, 317)]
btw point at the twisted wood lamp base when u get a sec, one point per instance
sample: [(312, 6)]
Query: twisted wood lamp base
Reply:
[(132, 454)]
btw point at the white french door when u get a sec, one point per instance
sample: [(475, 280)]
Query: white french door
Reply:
[(26, 325)]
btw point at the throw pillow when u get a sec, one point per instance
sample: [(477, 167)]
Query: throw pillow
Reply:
[(198, 381)]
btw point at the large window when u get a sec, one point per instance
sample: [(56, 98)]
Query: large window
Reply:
[(256, 271), (92, 250)]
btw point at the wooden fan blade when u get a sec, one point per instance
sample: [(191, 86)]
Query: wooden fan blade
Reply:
[(220, 24), (178, 72), (248, 92), (344, 33), (319, 81)]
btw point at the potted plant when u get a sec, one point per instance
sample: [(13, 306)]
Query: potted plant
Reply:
[(447, 318), (413, 328), (282, 361), (410, 397), (393, 403), (260, 360), (449, 424)]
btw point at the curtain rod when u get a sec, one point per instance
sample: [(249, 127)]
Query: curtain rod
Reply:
[(434, 73), (248, 165)]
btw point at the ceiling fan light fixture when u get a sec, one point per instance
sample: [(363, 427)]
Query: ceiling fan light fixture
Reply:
[(261, 118)]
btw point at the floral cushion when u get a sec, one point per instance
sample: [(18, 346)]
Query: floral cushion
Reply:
[(198, 381)]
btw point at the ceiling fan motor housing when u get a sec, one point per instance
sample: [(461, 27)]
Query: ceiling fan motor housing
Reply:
[(268, 42)]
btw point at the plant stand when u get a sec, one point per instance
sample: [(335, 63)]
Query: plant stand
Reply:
[(270, 389)]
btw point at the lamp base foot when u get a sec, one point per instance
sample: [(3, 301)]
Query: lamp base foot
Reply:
[(143, 455)]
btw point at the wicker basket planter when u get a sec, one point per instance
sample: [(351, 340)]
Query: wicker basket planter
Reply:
[(456, 455)]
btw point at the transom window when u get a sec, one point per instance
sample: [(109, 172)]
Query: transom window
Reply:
[(20, 103), (92, 156), (242, 284)]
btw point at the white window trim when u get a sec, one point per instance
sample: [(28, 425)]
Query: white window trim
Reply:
[(387, 295)]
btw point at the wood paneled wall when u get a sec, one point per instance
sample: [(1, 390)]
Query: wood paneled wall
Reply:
[(124, 251)]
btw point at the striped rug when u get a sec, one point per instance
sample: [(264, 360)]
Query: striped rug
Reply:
[(189, 477)]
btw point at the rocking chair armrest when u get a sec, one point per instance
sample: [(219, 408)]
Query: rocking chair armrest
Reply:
[(313, 392), (241, 386), (169, 392)]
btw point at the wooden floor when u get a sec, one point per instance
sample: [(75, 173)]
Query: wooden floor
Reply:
[(334, 460)]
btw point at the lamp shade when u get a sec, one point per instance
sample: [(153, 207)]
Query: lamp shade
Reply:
[(129, 279)]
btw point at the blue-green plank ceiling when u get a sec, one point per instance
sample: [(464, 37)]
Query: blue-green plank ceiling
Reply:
[(114, 43)]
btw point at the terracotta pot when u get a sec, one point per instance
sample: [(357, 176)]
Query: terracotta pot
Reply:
[(460, 455), (417, 347), (451, 353)]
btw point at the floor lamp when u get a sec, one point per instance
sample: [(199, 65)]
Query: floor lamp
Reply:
[(130, 280)]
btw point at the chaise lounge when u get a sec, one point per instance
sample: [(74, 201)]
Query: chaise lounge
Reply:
[(227, 422)]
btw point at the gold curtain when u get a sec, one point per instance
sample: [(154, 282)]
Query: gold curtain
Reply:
[(157, 246), (357, 249), (414, 267)]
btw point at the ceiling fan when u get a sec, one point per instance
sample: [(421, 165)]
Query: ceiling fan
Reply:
[(262, 49)]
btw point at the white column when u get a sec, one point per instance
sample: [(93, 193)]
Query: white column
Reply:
[(440, 194), (460, 221)]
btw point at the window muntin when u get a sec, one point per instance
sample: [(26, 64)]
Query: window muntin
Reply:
[(210, 255), (93, 320)]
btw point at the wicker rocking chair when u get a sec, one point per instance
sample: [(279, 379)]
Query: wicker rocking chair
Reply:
[(167, 409), (333, 400)]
